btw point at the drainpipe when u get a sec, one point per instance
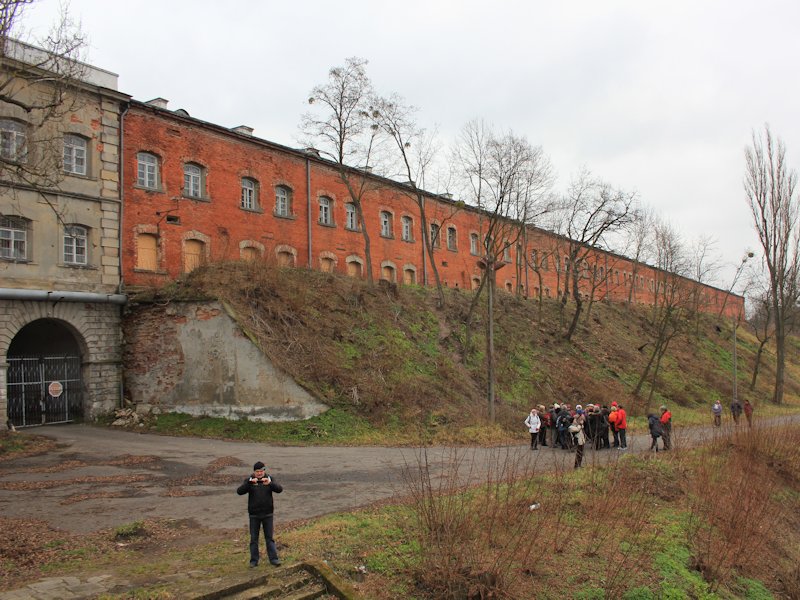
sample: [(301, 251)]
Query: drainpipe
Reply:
[(121, 284), (59, 296), (422, 228), (308, 211)]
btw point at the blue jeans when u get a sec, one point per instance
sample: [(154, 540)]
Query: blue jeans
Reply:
[(256, 523)]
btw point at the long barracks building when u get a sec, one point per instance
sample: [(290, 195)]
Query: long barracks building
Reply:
[(196, 192)]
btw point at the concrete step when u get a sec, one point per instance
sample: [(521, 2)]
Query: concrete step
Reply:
[(278, 586)]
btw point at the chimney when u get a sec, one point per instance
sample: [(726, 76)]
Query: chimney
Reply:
[(158, 103), (243, 130)]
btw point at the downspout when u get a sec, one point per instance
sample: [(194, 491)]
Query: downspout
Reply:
[(121, 284), (422, 228), (308, 210)]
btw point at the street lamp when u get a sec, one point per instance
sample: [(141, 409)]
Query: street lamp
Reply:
[(745, 258)]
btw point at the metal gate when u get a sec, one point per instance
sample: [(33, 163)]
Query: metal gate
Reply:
[(33, 386)]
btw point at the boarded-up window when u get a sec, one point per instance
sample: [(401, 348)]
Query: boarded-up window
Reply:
[(476, 283), (147, 252), (249, 253), (409, 277), (192, 255), (326, 265), (354, 269), (285, 259), (387, 273)]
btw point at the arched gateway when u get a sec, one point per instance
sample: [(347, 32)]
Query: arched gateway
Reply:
[(43, 379)]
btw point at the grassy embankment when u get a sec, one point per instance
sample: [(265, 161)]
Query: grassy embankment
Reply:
[(397, 370)]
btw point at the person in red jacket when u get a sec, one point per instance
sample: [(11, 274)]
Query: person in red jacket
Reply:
[(622, 427), (666, 427), (612, 423)]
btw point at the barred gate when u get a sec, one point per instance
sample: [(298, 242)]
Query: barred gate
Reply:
[(28, 382)]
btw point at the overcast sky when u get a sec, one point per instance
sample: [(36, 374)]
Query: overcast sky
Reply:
[(656, 97)]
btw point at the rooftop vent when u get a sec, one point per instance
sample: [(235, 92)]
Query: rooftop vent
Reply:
[(312, 151), (182, 112), (158, 103), (243, 130), (447, 195)]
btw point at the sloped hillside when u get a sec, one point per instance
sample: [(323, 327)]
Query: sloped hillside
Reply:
[(386, 354)]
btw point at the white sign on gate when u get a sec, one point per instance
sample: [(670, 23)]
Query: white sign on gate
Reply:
[(55, 389)]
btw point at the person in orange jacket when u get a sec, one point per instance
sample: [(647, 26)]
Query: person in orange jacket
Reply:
[(612, 423), (622, 427), (666, 427)]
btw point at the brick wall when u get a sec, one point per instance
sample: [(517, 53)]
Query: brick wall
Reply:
[(225, 228)]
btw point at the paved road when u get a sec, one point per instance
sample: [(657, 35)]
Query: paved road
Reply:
[(92, 485)]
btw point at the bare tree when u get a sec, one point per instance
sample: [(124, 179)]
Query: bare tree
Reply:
[(415, 151), (498, 170), (671, 302), (770, 188), (763, 325), (592, 210), (343, 130), (39, 87)]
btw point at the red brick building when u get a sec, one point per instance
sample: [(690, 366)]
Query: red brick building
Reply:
[(197, 192)]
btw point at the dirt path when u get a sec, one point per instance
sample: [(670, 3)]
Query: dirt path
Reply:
[(99, 478)]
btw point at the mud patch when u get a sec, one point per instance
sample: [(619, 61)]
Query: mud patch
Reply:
[(26, 486)]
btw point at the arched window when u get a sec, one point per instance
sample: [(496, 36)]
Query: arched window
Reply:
[(147, 252), (249, 253), (283, 201), (388, 273), (14, 238), (408, 229), (325, 211), (452, 239), (13, 140), (285, 259), (193, 255), (409, 276), (476, 282), (193, 181), (76, 245), (147, 171), (435, 241), (326, 264), (74, 154), (386, 224), (354, 268), (249, 194), (473, 244), (350, 217)]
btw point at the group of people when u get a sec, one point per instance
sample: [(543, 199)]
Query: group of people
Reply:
[(570, 429), (737, 408)]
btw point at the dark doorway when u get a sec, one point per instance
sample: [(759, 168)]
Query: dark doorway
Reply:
[(44, 375)]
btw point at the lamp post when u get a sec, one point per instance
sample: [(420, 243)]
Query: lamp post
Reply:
[(745, 258)]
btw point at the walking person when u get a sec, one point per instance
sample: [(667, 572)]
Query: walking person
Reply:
[(622, 427), (748, 412), (716, 410), (736, 410), (534, 423), (666, 427), (553, 412), (656, 431), (259, 488)]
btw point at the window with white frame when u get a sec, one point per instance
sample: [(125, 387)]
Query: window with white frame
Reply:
[(147, 175), (13, 238), (350, 217), (452, 238), (408, 228), (13, 140), (386, 224), (325, 211), (435, 241), (473, 244), (74, 154), (283, 201), (249, 194), (193, 180), (507, 252), (76, 245)]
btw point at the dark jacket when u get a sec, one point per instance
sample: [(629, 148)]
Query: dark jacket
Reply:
[(259, 501), (655, 426)]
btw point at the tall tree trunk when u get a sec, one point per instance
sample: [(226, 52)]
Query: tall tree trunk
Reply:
[(757, 365), (490, 344), (428, 243), (576, 294)]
